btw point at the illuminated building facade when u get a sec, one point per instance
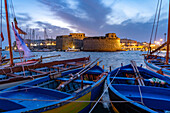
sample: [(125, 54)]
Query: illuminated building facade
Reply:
[(74, 41)]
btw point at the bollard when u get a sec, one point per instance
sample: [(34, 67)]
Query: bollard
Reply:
[(141, 65), (98, 63), (110, 68), (121, 64)]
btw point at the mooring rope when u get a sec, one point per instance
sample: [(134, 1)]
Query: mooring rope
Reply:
[(35, 99), (104, 91)]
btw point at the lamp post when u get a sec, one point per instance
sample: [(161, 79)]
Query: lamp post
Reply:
[(161, 40), (165, 37)]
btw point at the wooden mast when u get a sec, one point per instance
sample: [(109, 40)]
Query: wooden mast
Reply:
[(9, 36)]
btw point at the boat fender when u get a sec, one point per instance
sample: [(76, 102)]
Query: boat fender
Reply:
[(157, 80)]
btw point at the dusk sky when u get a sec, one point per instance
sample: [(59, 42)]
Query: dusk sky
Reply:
[(131, 19)]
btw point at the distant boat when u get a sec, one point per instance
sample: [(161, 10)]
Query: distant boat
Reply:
[(72, 50), (138, 90), (72, 91)]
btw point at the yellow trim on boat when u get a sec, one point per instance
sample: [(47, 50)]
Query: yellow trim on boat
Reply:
[(72, 107)]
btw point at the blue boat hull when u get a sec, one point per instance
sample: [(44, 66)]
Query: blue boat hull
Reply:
[(42, 95), (123, 107), (125, 96)]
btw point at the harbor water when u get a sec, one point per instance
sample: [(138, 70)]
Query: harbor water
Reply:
[(113, 59)]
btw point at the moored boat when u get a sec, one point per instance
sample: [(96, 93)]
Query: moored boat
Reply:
[(158, 63), (19, 74), (72, 91), (134, 89)]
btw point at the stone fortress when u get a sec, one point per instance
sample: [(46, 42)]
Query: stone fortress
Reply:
[(78, 41), (109, 42)]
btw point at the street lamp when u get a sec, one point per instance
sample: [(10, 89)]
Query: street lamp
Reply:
[(161, 40), (158, 42), (155, 42)]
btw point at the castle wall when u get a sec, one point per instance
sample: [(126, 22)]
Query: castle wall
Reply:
[(101, 44), (63, 43)]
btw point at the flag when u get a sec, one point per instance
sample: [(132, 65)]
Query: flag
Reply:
[(16, 23), (19, 30), (21, 44), (2, 36)]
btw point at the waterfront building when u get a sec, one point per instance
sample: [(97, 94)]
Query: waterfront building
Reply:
[(39, 45), (74, 41), (128, 44), (109, 42)]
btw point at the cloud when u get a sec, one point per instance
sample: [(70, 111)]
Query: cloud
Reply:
[(132, 19), (51, 29), (88, 16), (23, 19)]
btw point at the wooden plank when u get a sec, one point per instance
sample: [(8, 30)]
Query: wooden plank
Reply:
[(54, 67), (12, 75), (36, 71)]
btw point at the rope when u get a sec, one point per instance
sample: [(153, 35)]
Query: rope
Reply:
[(153, 25), (12, 9), (104, 91), (67, 101), (158, 20)]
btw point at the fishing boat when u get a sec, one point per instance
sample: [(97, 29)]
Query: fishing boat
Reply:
[(134, 89), (19, 74), (155, 62), (71, 91)]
